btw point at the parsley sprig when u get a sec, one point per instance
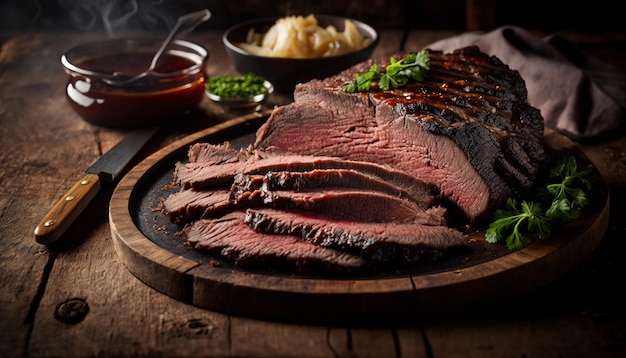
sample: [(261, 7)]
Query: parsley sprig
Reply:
[(513, 218), (414, 67), (568, 194), (564, 196)]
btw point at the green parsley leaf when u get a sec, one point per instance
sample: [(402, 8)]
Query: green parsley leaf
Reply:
[(513, 220), (413, 67), (565, 195)]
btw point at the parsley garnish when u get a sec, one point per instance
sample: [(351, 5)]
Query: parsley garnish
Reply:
[(568, 194), (512, 219), (565, 195), (413, 67), (236, 86)]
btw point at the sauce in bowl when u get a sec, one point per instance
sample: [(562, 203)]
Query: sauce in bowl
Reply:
[(178, 86)]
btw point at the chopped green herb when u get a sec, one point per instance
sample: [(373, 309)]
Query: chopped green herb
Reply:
[(236, 86), (565, 195), (413, 67)]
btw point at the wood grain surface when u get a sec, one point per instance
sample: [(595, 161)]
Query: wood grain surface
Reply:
[(77, 298)]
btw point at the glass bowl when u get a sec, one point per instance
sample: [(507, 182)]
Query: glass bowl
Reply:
[(176, 87), (240, 103)]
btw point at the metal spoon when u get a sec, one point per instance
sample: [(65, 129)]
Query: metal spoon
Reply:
[(185, 23)]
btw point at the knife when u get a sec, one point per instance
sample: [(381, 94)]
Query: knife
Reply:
[(105, 169)]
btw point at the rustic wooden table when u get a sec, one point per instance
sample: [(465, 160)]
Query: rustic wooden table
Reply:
[(76, 298)]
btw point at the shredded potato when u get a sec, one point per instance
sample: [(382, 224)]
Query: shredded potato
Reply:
[(302, 37)]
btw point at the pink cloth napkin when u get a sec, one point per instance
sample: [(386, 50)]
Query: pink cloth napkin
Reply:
[(578, 94)]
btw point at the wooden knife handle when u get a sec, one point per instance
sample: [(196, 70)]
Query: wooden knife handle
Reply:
[(66, 210)]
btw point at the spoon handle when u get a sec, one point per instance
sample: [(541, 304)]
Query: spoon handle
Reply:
[(184, 24)]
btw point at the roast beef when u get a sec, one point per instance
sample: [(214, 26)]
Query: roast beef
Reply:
[(208, 175), (341, 178), (214, 153), (400, 242), (232, 238), (344, 180), (467, 129), (188, 205), (349, 204), (353, 204)]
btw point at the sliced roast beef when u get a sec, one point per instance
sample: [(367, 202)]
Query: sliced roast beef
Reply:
[(207, 175), (188, 205), (338, 178), (214, 153), (335, 192), (359, 205), (406, 242), (349, 204), (342, 180), (231, 237), (467, 128)]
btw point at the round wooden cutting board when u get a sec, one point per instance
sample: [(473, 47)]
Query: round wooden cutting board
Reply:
[(148, 245)]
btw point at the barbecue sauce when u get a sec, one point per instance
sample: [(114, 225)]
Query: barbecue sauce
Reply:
[(148, 101)]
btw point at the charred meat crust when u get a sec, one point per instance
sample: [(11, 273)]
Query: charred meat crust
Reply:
[(467, 129), (377, 176)]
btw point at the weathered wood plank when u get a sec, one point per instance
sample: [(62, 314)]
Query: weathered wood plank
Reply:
[(371, 341), (530, 334), (43, 148), (30, 176), (252, 338)]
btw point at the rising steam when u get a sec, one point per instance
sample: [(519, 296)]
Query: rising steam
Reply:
[(118, 15)]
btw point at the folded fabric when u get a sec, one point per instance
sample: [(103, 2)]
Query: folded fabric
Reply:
[(578, 94)]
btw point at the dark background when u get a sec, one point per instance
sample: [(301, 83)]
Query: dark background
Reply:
[(119, 15)]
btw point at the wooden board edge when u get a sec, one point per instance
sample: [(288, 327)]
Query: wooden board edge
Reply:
[(301, 299)]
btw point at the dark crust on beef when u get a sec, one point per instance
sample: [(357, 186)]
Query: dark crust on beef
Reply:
[(471, 108), (405, 242), (331, 195), (208, 175), (366, 185), (338, 178), (235, 240)]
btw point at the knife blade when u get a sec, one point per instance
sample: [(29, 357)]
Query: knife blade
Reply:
[(105, 169)]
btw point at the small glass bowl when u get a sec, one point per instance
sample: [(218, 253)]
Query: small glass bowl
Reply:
[(252, 103), (177, 87)]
